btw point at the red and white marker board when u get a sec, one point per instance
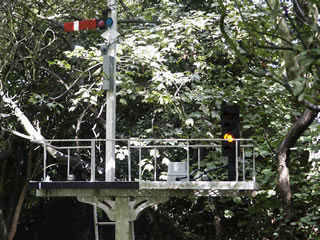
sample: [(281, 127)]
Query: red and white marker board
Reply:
[(80, 25)]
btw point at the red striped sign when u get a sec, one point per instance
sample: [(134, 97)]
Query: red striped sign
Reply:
[(80, 25)]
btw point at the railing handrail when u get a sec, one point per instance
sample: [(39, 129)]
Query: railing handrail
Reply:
[(137, 139), (140, 143)]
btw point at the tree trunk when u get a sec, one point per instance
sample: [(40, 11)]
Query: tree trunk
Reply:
[(15, 220), (3, 228), (16, 216), (218, 227), (288, 142)]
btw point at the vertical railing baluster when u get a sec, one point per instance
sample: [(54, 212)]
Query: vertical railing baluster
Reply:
[(129, 162), (93, 161), (68, 165), (44, 161), (199, 158), (254, 163), (140, 161), (188, 177), (95, 222), (243, 165), (237, 150), (155, 165)]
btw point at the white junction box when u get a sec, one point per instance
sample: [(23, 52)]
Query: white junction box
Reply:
[(178, 171)]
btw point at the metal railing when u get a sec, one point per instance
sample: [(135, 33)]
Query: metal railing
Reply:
[(143, 157)]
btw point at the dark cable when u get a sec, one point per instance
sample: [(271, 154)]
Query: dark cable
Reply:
[(199, 170)]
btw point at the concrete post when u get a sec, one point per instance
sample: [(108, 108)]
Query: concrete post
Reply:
[(122, 209), (111, 99)]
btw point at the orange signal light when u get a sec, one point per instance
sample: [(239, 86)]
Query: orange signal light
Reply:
[(228, 137)]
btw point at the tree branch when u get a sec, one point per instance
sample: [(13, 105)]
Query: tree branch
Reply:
[(4, 115), (274, 47), (36, 136), (235, 48), (17, 133), (268, 141), (297, 129), (308, 104), (97, 114), (293, 25), (79, 122), (125, 7), (288, 43)]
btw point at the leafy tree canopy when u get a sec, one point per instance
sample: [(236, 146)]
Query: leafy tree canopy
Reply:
[(175, 68)]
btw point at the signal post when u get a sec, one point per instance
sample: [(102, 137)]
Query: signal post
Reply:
[(121, 207), (124, 201)]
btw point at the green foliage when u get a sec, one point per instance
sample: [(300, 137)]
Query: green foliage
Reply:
[(173, 74)]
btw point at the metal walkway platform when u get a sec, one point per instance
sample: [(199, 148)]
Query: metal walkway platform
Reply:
[(146, 172), (161, 166), (134, 189)]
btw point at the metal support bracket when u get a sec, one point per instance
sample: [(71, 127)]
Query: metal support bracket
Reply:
[(123, 210)]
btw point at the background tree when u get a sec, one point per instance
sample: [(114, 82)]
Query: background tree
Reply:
[(175, 69)]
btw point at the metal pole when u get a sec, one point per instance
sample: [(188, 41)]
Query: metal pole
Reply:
[(129, 162), (140, 177), (254, 164), (243, 165), (68, 165), (237, 170), (188, 177), (155, 165), (93, 161), (199, 157), (111, 100), (44, 161), (95, 222)]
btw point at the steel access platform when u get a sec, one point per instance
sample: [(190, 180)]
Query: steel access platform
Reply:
[(153, 167), (145, 172)]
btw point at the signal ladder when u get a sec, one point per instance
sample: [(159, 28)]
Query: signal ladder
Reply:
[(97, 223)]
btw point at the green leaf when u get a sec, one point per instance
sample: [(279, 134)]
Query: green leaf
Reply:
[(228, 213), (189, 122), (123, 101), (237, 200), (298, 89), (301, 97)]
